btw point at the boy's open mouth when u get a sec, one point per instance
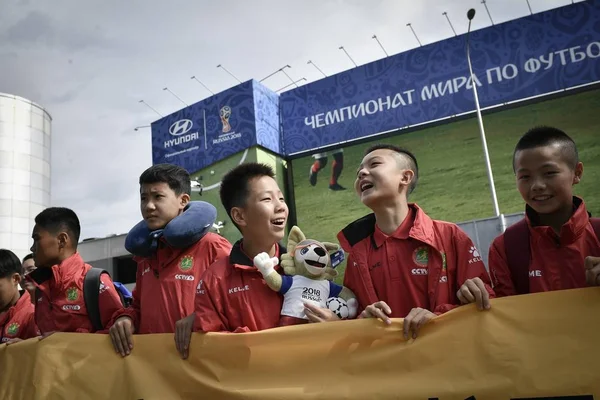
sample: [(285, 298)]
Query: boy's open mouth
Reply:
[(365, 186), (278, 221)]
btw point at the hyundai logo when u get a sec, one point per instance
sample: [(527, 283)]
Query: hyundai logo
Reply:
[(181, 127)]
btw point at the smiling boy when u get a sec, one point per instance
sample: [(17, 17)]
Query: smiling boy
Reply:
[(556, 246), (402, 263)]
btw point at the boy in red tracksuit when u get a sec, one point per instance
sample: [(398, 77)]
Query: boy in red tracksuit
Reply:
[(233, 296), (17, 319), (176, 248), (556, 246), (59, 276), (401, 263)]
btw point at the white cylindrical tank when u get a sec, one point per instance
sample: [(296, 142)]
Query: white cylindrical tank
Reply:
[(25, 130)]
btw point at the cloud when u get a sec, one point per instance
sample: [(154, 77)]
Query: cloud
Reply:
[(67, 95), (31, 29), (38, 28)]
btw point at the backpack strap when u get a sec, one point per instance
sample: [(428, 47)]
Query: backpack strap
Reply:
[(518, 254), (91, 292)]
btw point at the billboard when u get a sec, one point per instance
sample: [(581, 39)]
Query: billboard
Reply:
[(453, 184), (218, 127), (531, 56), (518, 59)]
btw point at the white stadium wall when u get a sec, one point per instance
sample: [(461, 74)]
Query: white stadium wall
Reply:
[(25, 131)]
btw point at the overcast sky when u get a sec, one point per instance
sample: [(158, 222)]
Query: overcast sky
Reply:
[(89, 63)]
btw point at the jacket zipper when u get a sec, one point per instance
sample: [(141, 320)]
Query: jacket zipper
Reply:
[(436, 282)]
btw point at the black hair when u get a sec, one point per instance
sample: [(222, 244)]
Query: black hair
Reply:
[(176, 177), (541, 136), (27, 257), (408, 156), (55, 219), (9, 263), (234, 189)]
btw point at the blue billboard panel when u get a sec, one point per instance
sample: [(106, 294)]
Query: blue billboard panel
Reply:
[(208, 131), (535, 55), (266, 111)]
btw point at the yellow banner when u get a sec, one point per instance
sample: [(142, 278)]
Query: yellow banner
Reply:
[(534, 346)]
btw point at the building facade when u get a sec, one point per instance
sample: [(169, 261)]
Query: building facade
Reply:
[(25, 149), (110, 255)]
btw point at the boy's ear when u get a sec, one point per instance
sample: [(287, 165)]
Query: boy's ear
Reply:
[(184, 199), (63, 239), (238, 216), (407, 177), (16, 278), (578, 173)]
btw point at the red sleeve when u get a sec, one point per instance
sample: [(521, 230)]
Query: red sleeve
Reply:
[(469, 265), (133, 311), (31, 330), (219, 248), (109, 301), (210, 314), (499, 270), (352, 282)]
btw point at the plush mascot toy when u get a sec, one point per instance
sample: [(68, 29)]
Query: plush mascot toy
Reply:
[(307, 279)]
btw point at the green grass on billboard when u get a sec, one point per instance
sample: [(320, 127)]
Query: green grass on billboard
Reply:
[(453, 183)]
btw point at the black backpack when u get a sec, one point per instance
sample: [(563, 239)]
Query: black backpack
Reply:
[(91, 292)]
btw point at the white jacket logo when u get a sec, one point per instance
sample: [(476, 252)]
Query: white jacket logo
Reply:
[(199, 288), (183, 277), (419, 271), (239, 289), (71, 307), (103, 288), (476, 256)]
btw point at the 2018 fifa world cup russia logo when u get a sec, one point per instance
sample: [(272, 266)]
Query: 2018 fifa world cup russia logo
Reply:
[(225, 114)]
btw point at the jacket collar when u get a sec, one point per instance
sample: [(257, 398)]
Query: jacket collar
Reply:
[(24, 300), (239, 259), (63, 272), (402, 232), (421, 229), (571, 230)]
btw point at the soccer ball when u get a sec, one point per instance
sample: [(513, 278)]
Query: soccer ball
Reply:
[(212, 172), (338, 306)]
